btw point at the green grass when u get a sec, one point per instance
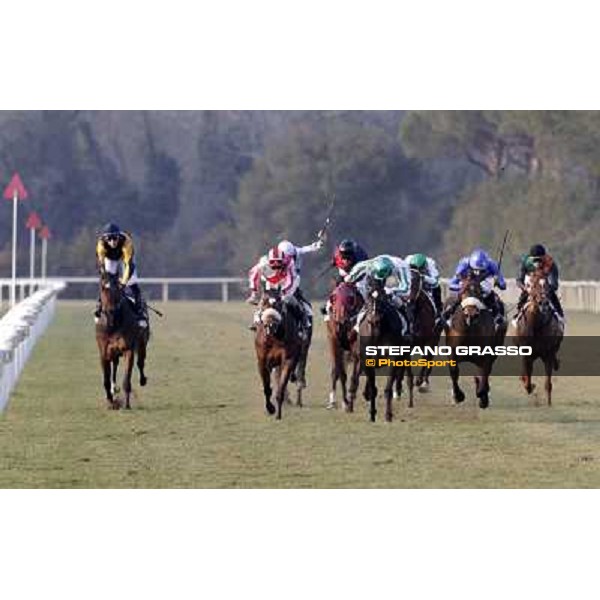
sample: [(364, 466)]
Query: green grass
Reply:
[(200, 422)]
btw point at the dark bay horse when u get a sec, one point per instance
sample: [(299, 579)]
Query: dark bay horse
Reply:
[(346, 302), (538, 327), (278, 347), (383, 326), (472, 324), (119, 335), (426, 332)]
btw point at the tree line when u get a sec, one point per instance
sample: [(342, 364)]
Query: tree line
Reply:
[(206, 192)]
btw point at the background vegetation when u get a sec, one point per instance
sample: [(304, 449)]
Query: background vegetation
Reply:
[(206, 192)]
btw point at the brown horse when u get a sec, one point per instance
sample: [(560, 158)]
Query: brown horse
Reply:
[(346, 302), (382, 325), (472, 324), (278, 347), (538, 327), (118, 334)]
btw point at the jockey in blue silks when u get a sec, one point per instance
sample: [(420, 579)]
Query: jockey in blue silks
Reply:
[(479, 266)]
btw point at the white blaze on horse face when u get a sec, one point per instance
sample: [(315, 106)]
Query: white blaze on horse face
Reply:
[(471, 302), (111, 266), (270, 315)]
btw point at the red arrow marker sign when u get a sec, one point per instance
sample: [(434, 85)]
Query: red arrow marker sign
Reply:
[(15, 185), (33, 221), (45, 233)]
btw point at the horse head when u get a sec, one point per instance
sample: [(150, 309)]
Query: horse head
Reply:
[(538, 302), (271, 311), (111, 298), (346, 302), (471, 300), (416, 284)]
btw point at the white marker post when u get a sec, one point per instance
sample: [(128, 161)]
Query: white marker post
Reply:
[(45, 235), (15, 191), (33, 222)]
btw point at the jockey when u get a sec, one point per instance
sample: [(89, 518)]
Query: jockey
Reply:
[(292, 254), (347, 254), (114, 253), (431, 277), (380, 269), (539, 259), (486, 271), (279, 269)]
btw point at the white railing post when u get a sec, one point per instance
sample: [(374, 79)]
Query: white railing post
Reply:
[(165, 292), (225, 292)]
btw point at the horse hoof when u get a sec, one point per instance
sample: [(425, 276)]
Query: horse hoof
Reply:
[(484, 402), (423, 388), (270, 409), (458, 397), (331, 405), (143, 381), (389, 418)]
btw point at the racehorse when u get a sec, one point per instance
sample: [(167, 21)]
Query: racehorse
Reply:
[(472, 324), (278, 347), (119, 334), (538, 327), (426, 332), (382, 325), (346, 302)]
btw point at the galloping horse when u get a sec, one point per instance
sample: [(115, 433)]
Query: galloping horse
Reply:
[(426, 332), (278, 347), (538, 327), (118, 334), (383, 326), (346, 302), (472, 324)]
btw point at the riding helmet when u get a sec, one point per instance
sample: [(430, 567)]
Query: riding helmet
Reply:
[(347, 248), (418, 261), (537, 250), (382, 268), (478, 260)]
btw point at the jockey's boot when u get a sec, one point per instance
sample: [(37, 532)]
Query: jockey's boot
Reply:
[(558, 309), (498, 311), (449, 311), (139, 305), (520, 304), (253, 298), (436, 294), (97, 311)]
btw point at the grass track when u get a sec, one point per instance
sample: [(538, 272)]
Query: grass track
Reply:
[(200, 421)]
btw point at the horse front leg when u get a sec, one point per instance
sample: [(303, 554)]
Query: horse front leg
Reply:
[(354, 381), (265, 377), (129, 361), (301, 371), (483, 387), (286, 371), (371, 394), (141, 361), (457, 394), (115, 368), (549, 366), (106, 373), (526, 372), (389, 395), (410, 384)]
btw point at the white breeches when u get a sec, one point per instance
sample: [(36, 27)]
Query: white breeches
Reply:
[(115, 267)]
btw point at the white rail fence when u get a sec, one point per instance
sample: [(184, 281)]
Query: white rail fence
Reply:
[(20, 329), (575, 295)]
